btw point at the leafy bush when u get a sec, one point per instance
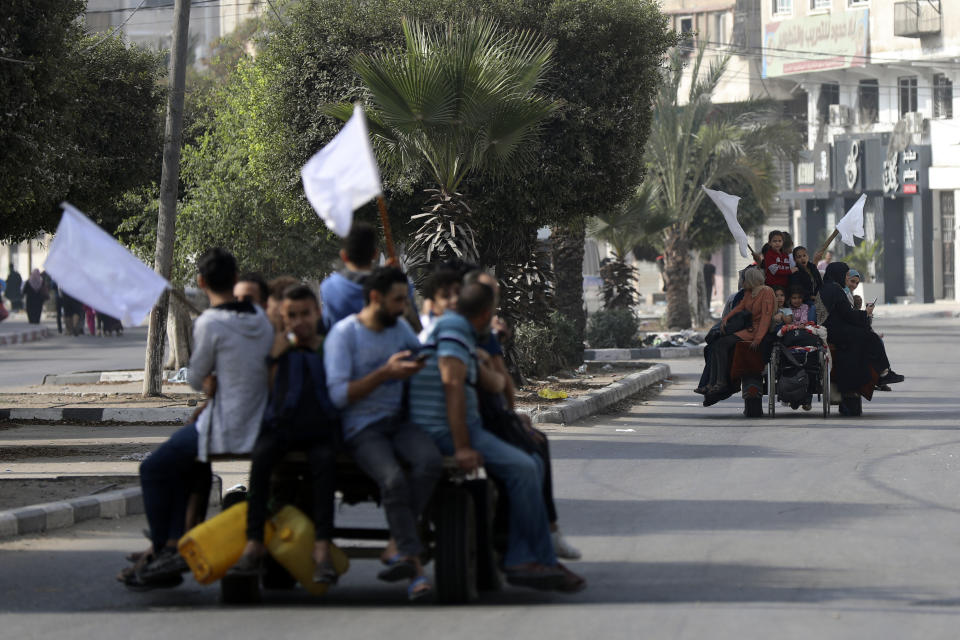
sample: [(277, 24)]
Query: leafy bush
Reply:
[(541, 348), (612, 328)]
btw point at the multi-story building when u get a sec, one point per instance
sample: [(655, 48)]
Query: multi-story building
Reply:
[(879, 78), (150, 22), (732, 28)]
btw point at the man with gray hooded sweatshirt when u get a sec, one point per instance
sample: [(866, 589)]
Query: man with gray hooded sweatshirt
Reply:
[(232, 341)]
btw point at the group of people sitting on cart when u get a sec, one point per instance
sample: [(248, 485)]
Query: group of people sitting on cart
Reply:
[(823, 304), (283, 372)]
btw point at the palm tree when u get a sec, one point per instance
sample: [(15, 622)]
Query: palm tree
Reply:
[(456, 100), (625, 228), (700, 143)]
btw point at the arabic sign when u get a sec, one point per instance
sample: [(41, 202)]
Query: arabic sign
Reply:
[(836, 40)]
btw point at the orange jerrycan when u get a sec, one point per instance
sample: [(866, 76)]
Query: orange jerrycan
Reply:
[(214, 546), (290, 539)]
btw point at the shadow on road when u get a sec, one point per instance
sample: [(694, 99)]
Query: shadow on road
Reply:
[(604, 450), (635, 517)]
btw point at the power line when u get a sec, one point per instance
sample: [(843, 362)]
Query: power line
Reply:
[(799, 54), (117, 29)]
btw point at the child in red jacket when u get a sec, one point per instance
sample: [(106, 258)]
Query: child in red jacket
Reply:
[(776, 264)]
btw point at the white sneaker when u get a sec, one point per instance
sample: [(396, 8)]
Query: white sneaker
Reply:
[(562, 548)]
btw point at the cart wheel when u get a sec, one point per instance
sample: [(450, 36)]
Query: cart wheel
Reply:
[(484, 492), (240, 589), (275, 576), (825, 384), (772, 385), (455, 561)]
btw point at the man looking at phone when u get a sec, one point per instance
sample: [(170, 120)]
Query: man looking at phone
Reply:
[(367, 356)]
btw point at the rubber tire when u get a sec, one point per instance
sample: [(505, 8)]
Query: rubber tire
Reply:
[(275, 576), (825, 384), (753, 407), (489, 576), (455, 557), (240, 589), (772, 385)]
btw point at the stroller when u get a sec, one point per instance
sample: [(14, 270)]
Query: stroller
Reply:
[(799, 368)]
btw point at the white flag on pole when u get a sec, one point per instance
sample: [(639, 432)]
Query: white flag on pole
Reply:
[(852, 224), (343, 175), (91, 266), (728, 207)]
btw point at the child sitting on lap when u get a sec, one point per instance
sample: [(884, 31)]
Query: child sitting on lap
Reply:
[(798, 309)]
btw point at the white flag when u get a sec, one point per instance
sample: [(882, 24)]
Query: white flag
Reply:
[(728, 207), (852, 224), (343, 175), (91, 266)]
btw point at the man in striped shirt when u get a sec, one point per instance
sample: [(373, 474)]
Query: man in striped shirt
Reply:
[(443, 402)]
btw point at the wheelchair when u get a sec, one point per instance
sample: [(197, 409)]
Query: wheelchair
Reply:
[(795, 374)]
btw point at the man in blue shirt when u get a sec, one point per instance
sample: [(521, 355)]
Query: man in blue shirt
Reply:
[(443, 402), (342, 292), (367, 356)]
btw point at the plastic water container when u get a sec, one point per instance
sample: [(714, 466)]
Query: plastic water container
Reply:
[(290, 539), (214, 546)]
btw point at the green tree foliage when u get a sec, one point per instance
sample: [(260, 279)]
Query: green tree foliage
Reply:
[(456, 100), (229, 196), (694, 143), (80, 117)]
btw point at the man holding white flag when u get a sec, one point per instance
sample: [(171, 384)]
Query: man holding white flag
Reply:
[(91, 266), (343, 176), (728, 207)]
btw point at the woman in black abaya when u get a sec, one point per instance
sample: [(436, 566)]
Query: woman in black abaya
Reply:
[(858, 348)]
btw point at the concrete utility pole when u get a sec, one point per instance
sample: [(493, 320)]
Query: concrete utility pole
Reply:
[(170, 178)]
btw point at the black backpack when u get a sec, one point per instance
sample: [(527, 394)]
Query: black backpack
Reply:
[(299, 405)]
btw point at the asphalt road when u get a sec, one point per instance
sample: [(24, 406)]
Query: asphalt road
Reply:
[(26, 364), (695, 523)]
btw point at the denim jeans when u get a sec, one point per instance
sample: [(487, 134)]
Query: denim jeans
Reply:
[(167, 477), (522, 473), (268, 452), (404, 494)]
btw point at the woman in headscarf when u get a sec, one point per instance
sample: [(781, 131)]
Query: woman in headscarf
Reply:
[(34, 294), (858, 349), (760, 301)]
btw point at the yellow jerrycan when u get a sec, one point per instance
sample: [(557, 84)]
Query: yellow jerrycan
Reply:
[(290, 538), (214, 546)]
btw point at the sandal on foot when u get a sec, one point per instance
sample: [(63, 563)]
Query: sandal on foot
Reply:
[(392, 560), (400, 570), (248, 565), (535, 576), (136, 581), (419, 588), (572, 583), (325, 573)]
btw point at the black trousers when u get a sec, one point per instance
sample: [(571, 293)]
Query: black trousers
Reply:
[(269, 450), (543, 449), (722, 355)]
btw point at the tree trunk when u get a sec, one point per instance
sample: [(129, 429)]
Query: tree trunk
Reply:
[(567, 244), (169, 179), (179, 335), (676, 262)]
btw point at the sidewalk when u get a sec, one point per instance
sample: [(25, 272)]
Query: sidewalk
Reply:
[(938, 309), (16, 330)]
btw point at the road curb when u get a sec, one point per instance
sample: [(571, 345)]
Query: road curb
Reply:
[(94, 377), (48, 516), (148, 415), (646, 353), (24, 336), (591, 403)]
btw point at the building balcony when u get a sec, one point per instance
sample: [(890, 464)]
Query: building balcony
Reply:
[(916, 18)]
